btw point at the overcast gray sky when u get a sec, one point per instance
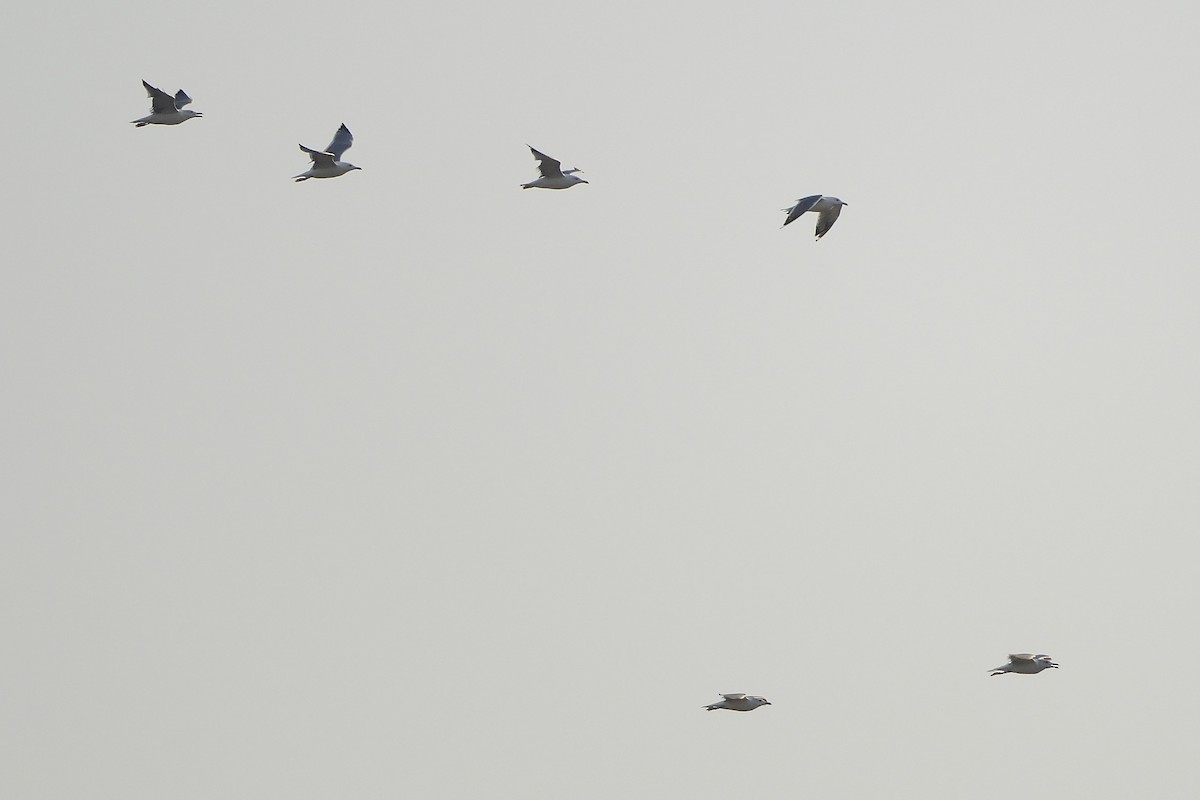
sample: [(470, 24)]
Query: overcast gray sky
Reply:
[(413, 484)]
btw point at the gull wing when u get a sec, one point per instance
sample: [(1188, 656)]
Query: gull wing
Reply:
[(341, 142), (181, 99), (319, 159), (160, 101), (735, 696), (1019, 658), (826, 220), (547, 165), (802, 205)]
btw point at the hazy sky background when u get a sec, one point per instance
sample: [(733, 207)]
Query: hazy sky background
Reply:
[(413, 484)]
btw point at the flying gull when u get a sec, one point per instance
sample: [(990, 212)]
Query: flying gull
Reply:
[(1025, 664), (827, 207), (553, 175), (328, 163), (166, 110), (739, 702)]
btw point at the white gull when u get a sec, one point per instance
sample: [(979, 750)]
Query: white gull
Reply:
[(165, 109), (553, 175), (827, 207), (1025, 664), (328, 163), (739, 701)]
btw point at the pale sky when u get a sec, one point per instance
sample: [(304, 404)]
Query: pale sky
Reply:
[(413, 484)]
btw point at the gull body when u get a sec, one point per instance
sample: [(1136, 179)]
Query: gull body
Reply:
[(328, 163), (1025, 664), (553, 176), (739, 701), (165, 109), (826, 207)]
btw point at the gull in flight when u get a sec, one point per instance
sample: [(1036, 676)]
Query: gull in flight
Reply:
[(328, 163), (827, 207), (553, 175), (1025, 664), (739, 702), (166, 110)]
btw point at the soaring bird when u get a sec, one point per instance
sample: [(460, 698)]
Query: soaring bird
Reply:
[(739, 702), (166, 110), (827, 207), (553, 175), (1025, 664), (327, 163)]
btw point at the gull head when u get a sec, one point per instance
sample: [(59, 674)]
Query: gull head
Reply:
[(189, 113)]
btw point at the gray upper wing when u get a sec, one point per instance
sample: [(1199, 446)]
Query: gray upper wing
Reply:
[(341, 142), (319, 159), (802, 205), (160, 101), (181, 99), (547, 165)]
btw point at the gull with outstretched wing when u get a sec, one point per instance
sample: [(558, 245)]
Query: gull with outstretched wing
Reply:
[(1025, 664), (165, 109), (828, 209), (553, 176), (739, 701), (328, 163)]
